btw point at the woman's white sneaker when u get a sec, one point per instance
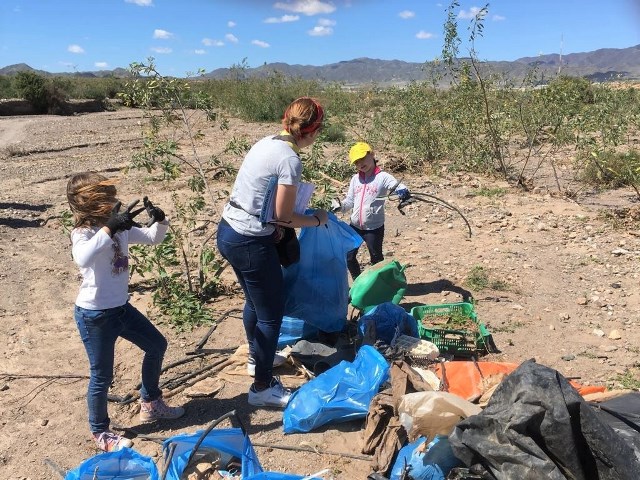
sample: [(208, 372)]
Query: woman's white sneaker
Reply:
[(273, 396)]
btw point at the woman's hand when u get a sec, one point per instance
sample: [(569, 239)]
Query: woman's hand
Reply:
[(322, 216)]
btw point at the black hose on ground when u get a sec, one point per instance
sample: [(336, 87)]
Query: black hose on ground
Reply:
[(428, 198)]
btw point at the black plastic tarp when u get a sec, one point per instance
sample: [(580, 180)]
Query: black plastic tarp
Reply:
[(623, 414), (536, 426)]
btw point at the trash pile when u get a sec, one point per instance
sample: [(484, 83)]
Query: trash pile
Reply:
[(432, 408)]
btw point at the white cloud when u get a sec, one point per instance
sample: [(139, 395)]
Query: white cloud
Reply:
[(422, 35), (230, 37), (320, 31), (260, 43), (161, 50), (210, 42), (469, 15), (231, 24), (162, 34), (406, 14), (282, 19), (323, 28), (141, 3), (326, 22), (498, 18), (306, 7), (101, 65), (75, 49), (200, 51)]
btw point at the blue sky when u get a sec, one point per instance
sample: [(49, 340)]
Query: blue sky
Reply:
[(185, 35)]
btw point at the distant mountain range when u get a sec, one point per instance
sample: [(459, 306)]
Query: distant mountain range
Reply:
[(605, 64)]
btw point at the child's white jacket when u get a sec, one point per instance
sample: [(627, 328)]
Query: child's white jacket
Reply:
[(104, 263), (366, 196)]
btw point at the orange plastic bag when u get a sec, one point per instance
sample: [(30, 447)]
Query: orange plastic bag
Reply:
[(470, 380)]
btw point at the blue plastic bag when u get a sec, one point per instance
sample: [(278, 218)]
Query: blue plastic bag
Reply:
[(124, 464), (434, 463), (317, 287), (229, 442), (404, 457), (294, 329), (340, 394), (389, 320)]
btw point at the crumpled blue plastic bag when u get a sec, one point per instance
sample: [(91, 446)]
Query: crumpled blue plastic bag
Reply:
[(389, 320), (317, 287), (434, 463), (294, 329), (340, 394), (403, 458), (227, 441), (123, 464)]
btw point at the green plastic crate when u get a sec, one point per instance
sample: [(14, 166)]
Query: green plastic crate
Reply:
[(462, 343)]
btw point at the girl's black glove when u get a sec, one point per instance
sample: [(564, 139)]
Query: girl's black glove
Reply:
[(155, 213), (123, 220)]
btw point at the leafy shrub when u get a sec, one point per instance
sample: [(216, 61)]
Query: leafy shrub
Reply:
[(260, 99), (95, 88), (33, 88), (185, 267), (45, 95), (7, 87), (613, 169), (333, 133), (57, 96), (566, 89)]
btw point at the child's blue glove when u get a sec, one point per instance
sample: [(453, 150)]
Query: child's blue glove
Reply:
[(403, 194)]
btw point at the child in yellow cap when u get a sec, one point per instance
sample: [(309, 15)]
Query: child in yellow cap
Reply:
[(366, 196)]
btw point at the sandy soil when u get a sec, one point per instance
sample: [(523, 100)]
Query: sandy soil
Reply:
[(571, 300)]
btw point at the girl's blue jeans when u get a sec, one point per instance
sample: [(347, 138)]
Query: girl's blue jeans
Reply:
[(373, 239), (257, 266), (99, 330)]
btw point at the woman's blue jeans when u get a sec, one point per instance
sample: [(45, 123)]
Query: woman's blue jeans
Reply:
[(99, 330), (257, 266)]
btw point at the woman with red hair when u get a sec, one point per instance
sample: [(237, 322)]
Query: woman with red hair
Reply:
[(248, 241)]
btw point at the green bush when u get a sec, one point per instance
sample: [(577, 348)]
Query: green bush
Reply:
[(95, 88), (257, 99), (46, 95), (7, 87), (613, 169), (57, 95), (333, 133), (575, 90), (33, 88)]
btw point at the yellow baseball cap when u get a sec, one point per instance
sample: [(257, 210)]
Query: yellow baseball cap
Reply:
[(358, 151)]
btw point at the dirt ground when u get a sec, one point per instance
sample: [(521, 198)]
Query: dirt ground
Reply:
[(569, 295)]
